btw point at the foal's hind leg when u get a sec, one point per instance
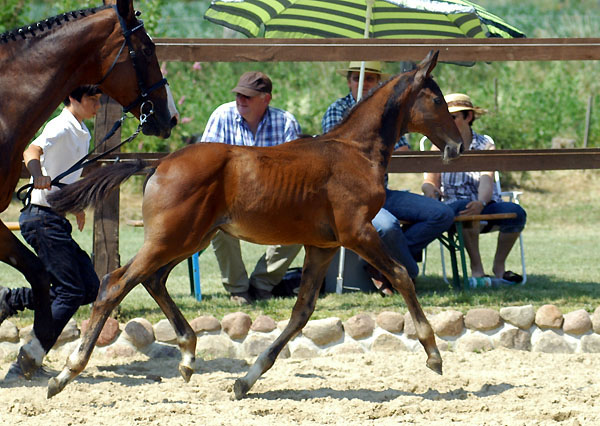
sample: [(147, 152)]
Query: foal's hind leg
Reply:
[(372, 249), (186, 338), (113, 288), (316, 262)]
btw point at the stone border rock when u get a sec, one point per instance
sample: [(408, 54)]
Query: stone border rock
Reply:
[(237, 336)]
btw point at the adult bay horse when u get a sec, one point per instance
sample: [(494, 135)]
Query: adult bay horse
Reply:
[(41, 64), (322, 192)]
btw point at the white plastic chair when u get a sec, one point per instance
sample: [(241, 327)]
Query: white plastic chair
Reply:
[(511, 196)]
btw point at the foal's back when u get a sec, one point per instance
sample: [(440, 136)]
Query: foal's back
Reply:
[(265, 195)]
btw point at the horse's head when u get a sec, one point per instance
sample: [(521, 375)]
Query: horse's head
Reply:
[(132, 75), (429, 113)]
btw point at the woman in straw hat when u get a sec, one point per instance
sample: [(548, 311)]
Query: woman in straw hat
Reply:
[(429, 218), (471, 193)]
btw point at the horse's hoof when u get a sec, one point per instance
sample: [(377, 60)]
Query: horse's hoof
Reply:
[(434, 362), (240, 389), (186, 372), (54, 387)]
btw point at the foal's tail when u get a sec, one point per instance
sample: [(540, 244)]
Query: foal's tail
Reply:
[(96, 186)]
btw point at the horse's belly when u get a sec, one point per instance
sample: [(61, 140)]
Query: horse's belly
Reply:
[(271, 231)]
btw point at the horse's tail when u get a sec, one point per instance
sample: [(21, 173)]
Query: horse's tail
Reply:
[(95, 187)]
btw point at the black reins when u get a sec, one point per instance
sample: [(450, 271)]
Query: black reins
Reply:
[(24, 193)]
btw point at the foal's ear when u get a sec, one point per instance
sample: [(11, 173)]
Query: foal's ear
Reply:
[(426, 66)]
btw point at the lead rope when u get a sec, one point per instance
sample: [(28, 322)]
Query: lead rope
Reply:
[(24, 193)]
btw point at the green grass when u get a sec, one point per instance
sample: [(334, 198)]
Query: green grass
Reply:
[(560, 246)]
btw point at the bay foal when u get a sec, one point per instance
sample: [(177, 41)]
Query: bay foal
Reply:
[(322, 192)]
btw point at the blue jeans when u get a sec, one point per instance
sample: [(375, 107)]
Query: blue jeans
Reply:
[(429, 218), (505, 225), (73, 279)]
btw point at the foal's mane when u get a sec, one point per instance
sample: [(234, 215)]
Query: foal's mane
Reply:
[(392, 80), (47, 24)]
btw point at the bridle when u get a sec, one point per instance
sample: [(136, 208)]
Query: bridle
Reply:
[(144, 92), (24, 193)]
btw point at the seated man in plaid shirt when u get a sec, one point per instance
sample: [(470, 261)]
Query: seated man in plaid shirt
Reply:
[(250, 121), (429, 218)]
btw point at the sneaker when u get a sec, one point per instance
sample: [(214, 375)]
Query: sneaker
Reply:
[(5, 309), (16, 373), (242, 298)]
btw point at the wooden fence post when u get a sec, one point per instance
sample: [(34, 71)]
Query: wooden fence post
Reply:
[(106, 216)]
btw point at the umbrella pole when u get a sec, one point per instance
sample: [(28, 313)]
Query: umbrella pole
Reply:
[(361, 80)]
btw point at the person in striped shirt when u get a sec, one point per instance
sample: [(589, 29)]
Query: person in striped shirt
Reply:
[(428, 218), (472, 193)]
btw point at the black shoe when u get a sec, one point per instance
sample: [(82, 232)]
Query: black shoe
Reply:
[(5, 309), (260, 294), (380, 282)]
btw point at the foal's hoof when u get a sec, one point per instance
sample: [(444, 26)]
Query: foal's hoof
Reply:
[(434, 362), (240, 388), (186, 372), (54, 387)]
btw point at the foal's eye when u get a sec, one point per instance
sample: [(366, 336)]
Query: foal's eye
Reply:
[(147, 51), (437, 101)]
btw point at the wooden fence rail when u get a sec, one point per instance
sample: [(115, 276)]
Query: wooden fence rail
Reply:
[(343, 49), (417, 162)]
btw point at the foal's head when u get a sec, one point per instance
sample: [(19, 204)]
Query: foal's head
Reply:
[(429, 112), (135, 80)]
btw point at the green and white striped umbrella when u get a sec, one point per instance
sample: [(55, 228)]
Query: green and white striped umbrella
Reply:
[(348, 18)]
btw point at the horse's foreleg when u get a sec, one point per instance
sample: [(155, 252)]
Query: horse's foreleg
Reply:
[(372, 249), (15, 253), (186, 338), (316, 262), (113, 288)]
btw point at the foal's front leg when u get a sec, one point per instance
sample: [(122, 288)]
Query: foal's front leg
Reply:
[(372, 249), (316, 262), (112, 290)]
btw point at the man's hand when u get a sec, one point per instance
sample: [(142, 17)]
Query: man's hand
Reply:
[(431, 191), (80, 216), (473, 208)]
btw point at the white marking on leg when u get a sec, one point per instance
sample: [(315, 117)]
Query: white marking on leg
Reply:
[(187, 358), (255, 371)]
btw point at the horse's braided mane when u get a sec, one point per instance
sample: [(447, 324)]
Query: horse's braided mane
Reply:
[(46, 24)]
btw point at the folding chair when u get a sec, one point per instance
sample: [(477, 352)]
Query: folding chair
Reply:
[(511, 196)]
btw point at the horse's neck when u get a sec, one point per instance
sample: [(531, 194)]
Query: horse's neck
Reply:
[(40, 71), (37, 74), (373, 127)]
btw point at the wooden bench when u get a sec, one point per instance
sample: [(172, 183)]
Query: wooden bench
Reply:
[(453, 240), (193, 266)]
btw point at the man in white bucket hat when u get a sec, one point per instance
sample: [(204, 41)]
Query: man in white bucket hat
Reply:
[(472, 193), (429, 218)]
